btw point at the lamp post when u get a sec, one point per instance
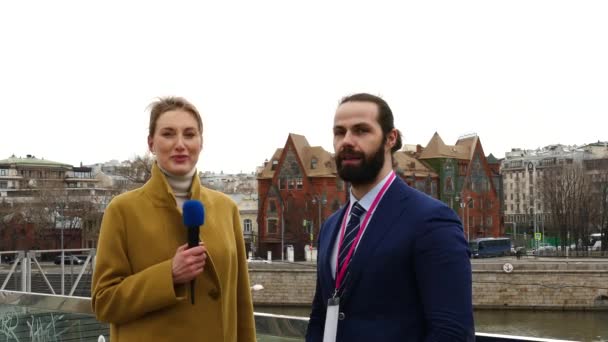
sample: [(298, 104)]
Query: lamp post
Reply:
[(282, 230), (466, 204), (321, 200)]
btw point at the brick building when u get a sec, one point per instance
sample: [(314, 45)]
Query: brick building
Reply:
[(297, 190), (468, 183)]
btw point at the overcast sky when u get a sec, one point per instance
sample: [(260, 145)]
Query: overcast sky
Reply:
[(76, 77)]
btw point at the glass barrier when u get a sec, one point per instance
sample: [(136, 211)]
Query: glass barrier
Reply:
[(42, 317)]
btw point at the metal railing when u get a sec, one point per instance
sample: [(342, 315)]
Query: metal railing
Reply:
[(28, 316), (26, 259)]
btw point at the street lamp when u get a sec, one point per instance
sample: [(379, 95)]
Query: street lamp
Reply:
[(464, 204), (321, 201), (282, 229), (469, 200)]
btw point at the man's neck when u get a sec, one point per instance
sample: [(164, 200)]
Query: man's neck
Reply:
[(361, 190)]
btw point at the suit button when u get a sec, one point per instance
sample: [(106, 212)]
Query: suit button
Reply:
[(341, 316), (214, 294)]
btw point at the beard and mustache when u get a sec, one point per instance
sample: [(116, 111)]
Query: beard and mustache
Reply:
[(367, 170)]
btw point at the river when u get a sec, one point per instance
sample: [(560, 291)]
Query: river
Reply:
[(568, 325)]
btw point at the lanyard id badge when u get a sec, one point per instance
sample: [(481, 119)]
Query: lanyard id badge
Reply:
[(331, 319)]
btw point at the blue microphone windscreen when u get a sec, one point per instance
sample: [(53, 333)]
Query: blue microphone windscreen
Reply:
[(194, 213)]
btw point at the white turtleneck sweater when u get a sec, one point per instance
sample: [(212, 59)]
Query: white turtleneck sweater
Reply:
[(180, 185)]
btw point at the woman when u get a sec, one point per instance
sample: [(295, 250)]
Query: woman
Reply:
[(143, 267)]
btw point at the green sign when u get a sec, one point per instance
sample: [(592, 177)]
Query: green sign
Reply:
[(538, 236)]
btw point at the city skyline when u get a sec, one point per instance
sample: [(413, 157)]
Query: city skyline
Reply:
[(519, 74), (252, 169)]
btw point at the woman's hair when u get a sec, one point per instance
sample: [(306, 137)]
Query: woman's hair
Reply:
[(165, 104)]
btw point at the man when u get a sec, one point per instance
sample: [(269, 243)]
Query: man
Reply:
[(393, 263)]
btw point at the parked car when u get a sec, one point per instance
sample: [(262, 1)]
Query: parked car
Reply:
[(69, 260), (544, 248), (12, 261)]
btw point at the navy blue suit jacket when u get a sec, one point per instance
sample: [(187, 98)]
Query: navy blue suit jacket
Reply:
[(410, 275)]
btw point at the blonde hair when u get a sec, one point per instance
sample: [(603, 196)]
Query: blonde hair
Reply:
[(169, 103)]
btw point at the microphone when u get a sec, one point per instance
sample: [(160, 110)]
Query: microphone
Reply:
[(194, 217)]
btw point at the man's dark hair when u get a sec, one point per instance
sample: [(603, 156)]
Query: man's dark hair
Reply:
[(385, 114)]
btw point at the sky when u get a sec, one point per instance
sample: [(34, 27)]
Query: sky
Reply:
[(76, 77)]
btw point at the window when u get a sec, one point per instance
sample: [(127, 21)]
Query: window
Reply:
[(462, 169), (3, 172), (449, 184), (274, 164), (299, 184), (3, 185), (271, 226), (291, 183), (272, 206), (489, 221), (339, 184), (247, 226), (313, 163)]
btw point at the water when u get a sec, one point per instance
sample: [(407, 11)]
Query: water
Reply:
[(569, 325)]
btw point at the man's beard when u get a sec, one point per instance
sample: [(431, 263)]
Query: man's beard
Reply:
[(366, 172)]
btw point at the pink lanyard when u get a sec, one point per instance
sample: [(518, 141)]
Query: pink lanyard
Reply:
[(341, 272)]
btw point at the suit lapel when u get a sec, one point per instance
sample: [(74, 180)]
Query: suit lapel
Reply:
[(389, 209), (331, 234)]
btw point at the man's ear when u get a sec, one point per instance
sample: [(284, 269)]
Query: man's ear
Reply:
[(391, 138)]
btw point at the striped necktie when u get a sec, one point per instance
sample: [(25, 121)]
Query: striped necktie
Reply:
[(352, 228)]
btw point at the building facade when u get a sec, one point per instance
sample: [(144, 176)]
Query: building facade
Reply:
[(248, 210), (466, 183), (49, 199), (533, 178), (298, 189)]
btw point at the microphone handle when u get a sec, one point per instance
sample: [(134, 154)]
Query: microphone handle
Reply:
[(193, 236), (193, 241)]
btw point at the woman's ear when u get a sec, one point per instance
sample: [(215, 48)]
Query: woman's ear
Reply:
[(151, 144)]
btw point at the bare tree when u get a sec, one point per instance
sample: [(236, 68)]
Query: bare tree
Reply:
[(140, 169), (565, 191), (600, 203)]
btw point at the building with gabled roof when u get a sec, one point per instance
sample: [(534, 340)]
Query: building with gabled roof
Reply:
[(297, 189), (467, 183)]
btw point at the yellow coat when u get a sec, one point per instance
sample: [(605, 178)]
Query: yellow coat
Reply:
[(132, 282)]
